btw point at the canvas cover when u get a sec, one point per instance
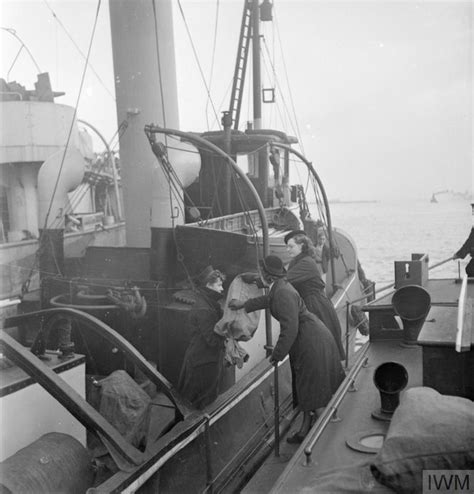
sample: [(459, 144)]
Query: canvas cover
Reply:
[(126, 406)]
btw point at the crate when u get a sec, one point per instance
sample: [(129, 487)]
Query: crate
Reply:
[(414, 272)]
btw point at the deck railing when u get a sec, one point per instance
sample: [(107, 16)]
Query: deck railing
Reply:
[(332, 407), (464, 320), (348, 383)]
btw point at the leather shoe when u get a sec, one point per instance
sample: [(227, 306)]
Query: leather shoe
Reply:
[(295, 438)]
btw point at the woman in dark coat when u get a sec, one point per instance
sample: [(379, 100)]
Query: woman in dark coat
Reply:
[(201, 373), (313, 353), (304, 275)]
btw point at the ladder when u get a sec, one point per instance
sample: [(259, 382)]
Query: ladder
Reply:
[(241, 65)]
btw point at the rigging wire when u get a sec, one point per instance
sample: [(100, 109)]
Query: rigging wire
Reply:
[(14, 62), (212, 59), (74, 115), (225, 98), (293, 125), (163, 111), (288, 82), (13, 33), (79, 49), (166, 167), (197, 61), (26, 283)]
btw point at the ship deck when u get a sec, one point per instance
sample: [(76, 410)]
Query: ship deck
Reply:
[(291, 471)]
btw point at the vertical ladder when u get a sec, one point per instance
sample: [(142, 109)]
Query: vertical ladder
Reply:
[(240, 65)]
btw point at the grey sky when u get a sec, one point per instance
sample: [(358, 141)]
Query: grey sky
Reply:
[(382, 90)]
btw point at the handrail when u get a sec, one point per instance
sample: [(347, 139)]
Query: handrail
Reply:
[(323, 420), (392, 285), (16, 93), (104, 331), (440, 263), (462, 311), (332, 406)]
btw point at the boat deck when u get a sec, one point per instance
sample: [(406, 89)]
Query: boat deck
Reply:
[(291, 473), (355, 414), (443, 292)]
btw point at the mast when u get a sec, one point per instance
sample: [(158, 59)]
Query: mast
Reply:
[(256, 66)]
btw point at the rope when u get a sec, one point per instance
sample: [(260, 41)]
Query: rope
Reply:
[(197, 59), (79, 49), (27, 282), (74, 116), (293, 125), (288, 83), (163, 112), (214, 43), (13, 33)]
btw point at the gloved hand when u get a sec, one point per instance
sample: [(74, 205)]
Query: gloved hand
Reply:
[(250, 277), (272, 360), (235, 304)]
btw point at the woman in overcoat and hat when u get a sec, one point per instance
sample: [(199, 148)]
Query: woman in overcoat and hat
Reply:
[(313, 352), (303, 273), (201, 373)]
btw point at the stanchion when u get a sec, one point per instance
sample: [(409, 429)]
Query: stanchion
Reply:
[(347, 334), (276, 410)]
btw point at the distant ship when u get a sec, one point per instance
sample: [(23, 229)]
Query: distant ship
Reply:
[(452, 195)]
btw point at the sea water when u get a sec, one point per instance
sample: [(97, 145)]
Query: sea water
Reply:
[(385, 232)]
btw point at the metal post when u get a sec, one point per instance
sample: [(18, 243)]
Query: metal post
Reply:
[(276, 410), (227, 172), (257, 102), (347, 333), (207, 436)]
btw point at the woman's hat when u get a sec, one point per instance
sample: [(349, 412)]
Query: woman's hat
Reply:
[(208, 274), (273, 265), (292, 234)]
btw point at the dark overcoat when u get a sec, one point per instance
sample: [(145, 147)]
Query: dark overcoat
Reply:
[(468, 248), (201, 372), (304, 275), (312, 349)]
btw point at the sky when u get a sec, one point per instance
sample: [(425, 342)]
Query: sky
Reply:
[(380, 93)]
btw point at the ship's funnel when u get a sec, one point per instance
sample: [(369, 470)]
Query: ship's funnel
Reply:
[(412, 303), (390, 379)]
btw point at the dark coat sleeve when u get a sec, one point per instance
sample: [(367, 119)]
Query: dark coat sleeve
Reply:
[(203, 321), (303, 270), (285, 306), (467, 247), (257, 303)]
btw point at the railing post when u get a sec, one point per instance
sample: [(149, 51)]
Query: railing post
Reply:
[(276, 410), (347, 333), (207, 438)]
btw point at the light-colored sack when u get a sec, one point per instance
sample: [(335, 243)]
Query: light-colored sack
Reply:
[(237, 324)]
